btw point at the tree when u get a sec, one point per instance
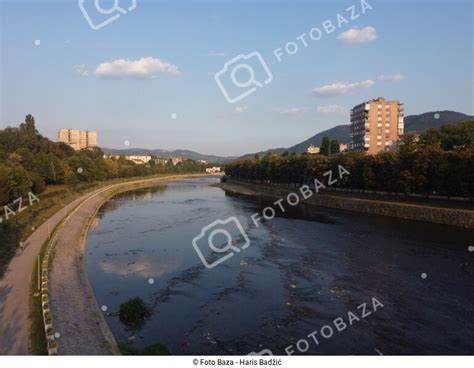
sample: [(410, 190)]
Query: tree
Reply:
[(409, 143), (111, 168), (450, 137), (29, 125), (69, 176), (326, 146), (14, 183), (38, 182), (335, 147)]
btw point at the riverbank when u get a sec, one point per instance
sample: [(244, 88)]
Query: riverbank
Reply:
[(15, 285), (408, 211), (75, 313), (17, 315), (299, 273)]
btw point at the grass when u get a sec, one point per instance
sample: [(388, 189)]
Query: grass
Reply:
[(126, 349), (52, 200), (133, 312), (38, 344), (417, 201), (37, 338), (379, 197), (19, 227), (155, 349)]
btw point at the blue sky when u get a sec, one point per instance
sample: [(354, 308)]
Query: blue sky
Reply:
[(418, 52)]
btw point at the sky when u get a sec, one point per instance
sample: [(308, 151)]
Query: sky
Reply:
[(146, 75)]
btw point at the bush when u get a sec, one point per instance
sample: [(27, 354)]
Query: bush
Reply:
[(126, 349), (133, 312), (156, 349), (38, 183)]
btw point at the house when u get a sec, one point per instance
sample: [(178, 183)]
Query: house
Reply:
[(313, 150), (213, 170)]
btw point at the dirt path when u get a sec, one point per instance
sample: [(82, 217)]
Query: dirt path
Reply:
[(75, 312), (76, 315), (15, 285)]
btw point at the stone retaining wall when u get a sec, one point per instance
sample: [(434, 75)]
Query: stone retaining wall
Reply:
[(446, 216)]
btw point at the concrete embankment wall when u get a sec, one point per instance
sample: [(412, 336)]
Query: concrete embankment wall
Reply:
[(438, 215)]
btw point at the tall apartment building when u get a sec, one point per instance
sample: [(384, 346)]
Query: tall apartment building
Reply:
[(78, 139), (375, 125)]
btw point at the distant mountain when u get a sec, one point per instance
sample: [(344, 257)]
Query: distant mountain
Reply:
[(436, 119), (168, 153), (413, 124), (340, 132)]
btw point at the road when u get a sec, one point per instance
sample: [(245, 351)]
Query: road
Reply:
[(15, 285)]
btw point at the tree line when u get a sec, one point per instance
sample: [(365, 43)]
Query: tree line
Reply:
[(437, 162), (29, 162)]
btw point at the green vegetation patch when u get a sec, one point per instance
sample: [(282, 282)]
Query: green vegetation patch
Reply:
[(437, 163), (133, 312), (126, 349), (154, 349)]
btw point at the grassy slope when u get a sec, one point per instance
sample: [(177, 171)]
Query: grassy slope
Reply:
[(53, 199)]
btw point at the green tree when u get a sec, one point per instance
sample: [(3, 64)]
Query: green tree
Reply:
[(326, 146), (409, 143), (450, 137), (111, 168), (15, 182), (335, 147)]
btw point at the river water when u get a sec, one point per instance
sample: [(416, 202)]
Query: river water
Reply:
[(299, 274)]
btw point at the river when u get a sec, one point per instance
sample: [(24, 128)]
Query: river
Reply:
[(282, 293)]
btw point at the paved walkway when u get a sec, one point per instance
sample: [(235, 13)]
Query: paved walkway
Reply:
[(69, 288), (15, 286)]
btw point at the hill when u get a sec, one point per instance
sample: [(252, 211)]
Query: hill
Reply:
[(421, 123), (413, 124), (340, 132), (168, 153)]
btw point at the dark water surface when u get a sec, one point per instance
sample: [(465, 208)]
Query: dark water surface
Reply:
[(297, 276)]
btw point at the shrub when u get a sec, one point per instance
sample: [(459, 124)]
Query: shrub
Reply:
[(126, 349), (156, 349), (134, 311)]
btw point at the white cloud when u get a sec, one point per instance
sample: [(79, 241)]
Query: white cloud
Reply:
[(391, 77), (332, 109), (341, 88), (356, 35), (241, 109), (82, 70), (289, 110), (142, 68), (217, 53)]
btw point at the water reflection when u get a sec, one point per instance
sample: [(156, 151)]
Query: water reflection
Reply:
[(299, 274)]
